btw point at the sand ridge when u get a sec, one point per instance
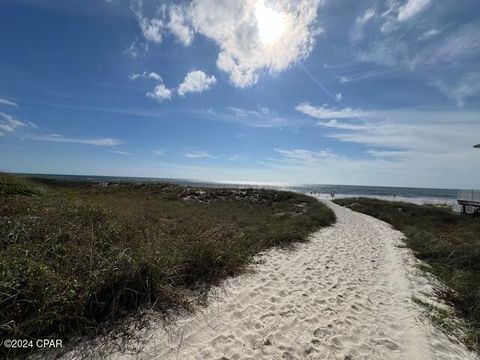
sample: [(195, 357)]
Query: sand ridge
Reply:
[(346, 294)]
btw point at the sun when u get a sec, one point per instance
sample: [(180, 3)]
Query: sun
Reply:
[(271, 23)]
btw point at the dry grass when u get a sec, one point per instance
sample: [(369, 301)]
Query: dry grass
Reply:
[(447, 242), (75, 257)]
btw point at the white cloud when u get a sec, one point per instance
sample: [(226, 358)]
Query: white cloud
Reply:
[(361, 76), (90, 141), (152, 29), (335, 124), (196, 81), (199, 154), (136, 49), (461, 45), (367, 16), (160, 93), (262, 117), (360, 22), (466, 87), (7, 102), (256, 35), (307, 156), (151, 75), (9, 124), (178, 25), (389, 153), (325, 113), (252, 35), (120, 152), (412, 8), (428, 34)]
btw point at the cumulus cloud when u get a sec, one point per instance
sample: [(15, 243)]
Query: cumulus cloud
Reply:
[(179, 25), (7, 102), (152, 29), (160, 93), (148, 75), (252, 35), (196, 81), (412, 8), (256, 35), (325, 113)]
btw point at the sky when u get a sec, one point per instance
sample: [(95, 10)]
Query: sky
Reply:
[(277, 91)]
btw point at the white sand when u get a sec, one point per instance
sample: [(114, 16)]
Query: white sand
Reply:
[(346, 294)]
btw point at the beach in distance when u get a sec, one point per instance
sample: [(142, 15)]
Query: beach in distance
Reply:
[(408, 194)]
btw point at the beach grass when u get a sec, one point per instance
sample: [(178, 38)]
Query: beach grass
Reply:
[(77, 257), (448, 243)]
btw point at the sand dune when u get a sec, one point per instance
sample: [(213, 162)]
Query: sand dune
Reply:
[(344, 295)]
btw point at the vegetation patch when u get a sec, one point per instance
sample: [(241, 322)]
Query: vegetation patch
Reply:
[(449, 243), (76, 257)]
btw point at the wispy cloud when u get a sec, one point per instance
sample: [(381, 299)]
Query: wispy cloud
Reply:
[(466, 87), (120, 152), (261, 117), (389, 153), (136, 49), (9, 124), (361, 76), (199, 154), (325, 113), (86, 141), (7, 102), (412, 8), (306, 156)]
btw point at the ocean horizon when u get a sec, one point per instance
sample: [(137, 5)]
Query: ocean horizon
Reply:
[(418, 195)]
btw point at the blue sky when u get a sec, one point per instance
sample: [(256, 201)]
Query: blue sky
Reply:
[(308, 91)]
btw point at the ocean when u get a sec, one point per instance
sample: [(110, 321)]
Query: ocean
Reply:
[(407, 194)]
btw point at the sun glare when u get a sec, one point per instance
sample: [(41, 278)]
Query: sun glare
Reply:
[(270, 23)]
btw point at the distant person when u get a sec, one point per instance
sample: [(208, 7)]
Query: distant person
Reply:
[(332, 195)]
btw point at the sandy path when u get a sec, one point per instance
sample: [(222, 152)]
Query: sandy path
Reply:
[(344, 295)]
